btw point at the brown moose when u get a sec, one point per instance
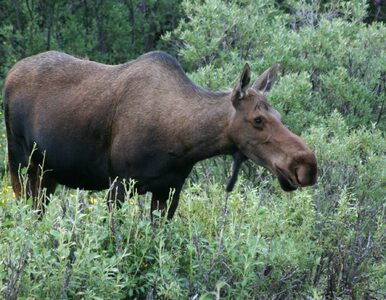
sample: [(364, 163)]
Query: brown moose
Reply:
[(145, 120)]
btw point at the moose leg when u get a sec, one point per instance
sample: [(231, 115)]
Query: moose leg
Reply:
[(26, 186), (15, 181), (174, 202), (17, 159), (159, 202), (49, 184), (47, 187), (116, 194), (32, 186)]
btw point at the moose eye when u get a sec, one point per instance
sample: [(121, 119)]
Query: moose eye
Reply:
[(258, 121)]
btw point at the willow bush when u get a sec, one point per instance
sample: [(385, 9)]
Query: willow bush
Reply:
[(322, 242)]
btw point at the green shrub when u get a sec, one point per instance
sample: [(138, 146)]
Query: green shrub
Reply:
[(326, 241), (330, 59)]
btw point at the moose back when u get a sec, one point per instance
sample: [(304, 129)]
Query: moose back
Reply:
[(92, 124)]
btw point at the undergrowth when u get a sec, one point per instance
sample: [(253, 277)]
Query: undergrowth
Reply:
[(323, 242)]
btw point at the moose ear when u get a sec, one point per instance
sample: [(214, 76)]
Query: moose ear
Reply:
[(242, 85), (265, 81)]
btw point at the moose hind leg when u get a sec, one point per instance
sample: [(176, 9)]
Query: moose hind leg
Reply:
[(46, 187), (29, 183), (116, 195), (48, 184), (17, 160), (32, 186), (40, 186), (15, 180)]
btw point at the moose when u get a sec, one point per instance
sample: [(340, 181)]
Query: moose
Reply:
[(95, 126)]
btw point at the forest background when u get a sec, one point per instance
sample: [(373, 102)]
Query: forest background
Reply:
[(322, 242)]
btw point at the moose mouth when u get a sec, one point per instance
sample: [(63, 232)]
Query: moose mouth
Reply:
[(285, 181)]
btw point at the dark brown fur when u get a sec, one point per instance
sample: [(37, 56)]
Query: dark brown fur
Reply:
[(143, 120)]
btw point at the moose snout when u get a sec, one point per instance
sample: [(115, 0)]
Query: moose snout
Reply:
[(306, 173), (301, 172)]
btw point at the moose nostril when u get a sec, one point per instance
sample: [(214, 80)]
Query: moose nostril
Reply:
[(306, 175), (297, 177), (300, 176)]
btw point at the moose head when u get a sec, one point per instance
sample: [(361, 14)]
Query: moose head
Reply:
[(259, 134)]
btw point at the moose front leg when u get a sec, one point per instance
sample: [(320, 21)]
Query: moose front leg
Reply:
[(159, 201)]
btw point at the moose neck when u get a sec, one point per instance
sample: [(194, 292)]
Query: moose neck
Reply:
[(209, 124)]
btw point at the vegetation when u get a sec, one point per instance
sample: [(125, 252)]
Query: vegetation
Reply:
[(324, 242)]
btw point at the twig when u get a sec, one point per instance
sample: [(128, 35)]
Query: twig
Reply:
[(16, 268), (221, 238), (115, 233), (381, 87), (67, 275), (216, 259)]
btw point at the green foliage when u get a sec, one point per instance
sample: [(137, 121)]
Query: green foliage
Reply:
[(329, 59), (351, 205), (112, 31), (326, 241)]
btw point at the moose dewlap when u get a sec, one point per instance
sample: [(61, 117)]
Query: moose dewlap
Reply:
[(94, 124)]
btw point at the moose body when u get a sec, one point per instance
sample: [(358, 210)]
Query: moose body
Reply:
[(93, 124)]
